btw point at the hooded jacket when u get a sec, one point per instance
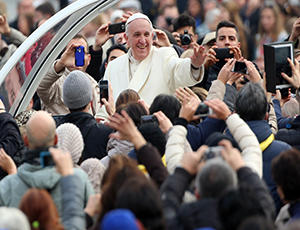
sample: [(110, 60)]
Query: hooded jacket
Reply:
[(13, 187)]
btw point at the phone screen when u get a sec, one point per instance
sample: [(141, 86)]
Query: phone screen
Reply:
[(79, 56), (103, 86), (282, 64)]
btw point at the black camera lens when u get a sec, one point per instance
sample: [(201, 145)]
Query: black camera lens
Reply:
[(185, 38)]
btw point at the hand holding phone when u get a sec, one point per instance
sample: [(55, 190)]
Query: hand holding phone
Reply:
[(103, 86), (79, 56)]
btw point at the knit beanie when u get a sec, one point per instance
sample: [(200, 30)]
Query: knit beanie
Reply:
[(70, 138), (77, 90), (94, 170)]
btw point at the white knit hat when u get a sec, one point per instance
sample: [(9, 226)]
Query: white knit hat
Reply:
[(70, 138)]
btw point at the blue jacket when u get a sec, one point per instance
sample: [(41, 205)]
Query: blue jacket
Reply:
[(262, 131), (197, 135)]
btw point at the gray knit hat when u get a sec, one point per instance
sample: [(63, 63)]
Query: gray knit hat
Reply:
[(77, 90), (70, 138)]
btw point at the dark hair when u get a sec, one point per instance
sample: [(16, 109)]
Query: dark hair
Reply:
[(237, 205), (251, 102), (141, 197), (46, 8), (168, 104), (134, 109), (127, 96), (38, 205), (257, 223), (286, 173), (113, 47), (184, 20), (153, 134), (229, 24), (119, 170)]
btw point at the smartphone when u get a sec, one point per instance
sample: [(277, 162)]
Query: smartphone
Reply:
[(240, 67), (46, 159), (203, 110), (103, 86), (223, 53), (116, 28), (149, 119), (79, 56), (212, 152)]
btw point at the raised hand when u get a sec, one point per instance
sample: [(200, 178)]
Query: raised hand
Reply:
[(294, 80), (102, 35), (198, 56)]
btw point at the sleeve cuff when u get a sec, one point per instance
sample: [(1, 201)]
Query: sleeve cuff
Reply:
[(181, 121)]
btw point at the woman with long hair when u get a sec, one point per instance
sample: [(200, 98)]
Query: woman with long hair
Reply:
[(270, 30)]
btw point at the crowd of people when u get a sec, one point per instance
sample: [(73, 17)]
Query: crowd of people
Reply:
[(148, 157)]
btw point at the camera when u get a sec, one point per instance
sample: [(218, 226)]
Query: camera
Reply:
[(212, 152), (203, 110), (185, 38)]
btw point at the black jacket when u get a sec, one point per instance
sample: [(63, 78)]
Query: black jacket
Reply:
[(10, 139), (95, 135), (204, 213)]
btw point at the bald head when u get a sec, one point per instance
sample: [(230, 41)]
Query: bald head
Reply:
[(40, 131)]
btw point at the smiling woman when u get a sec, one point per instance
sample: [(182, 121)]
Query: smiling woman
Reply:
[(37, 53)]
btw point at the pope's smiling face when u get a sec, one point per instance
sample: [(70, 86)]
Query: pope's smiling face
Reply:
[(139, 38)]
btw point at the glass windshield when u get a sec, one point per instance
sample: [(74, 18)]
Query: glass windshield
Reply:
[(30, 67)]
